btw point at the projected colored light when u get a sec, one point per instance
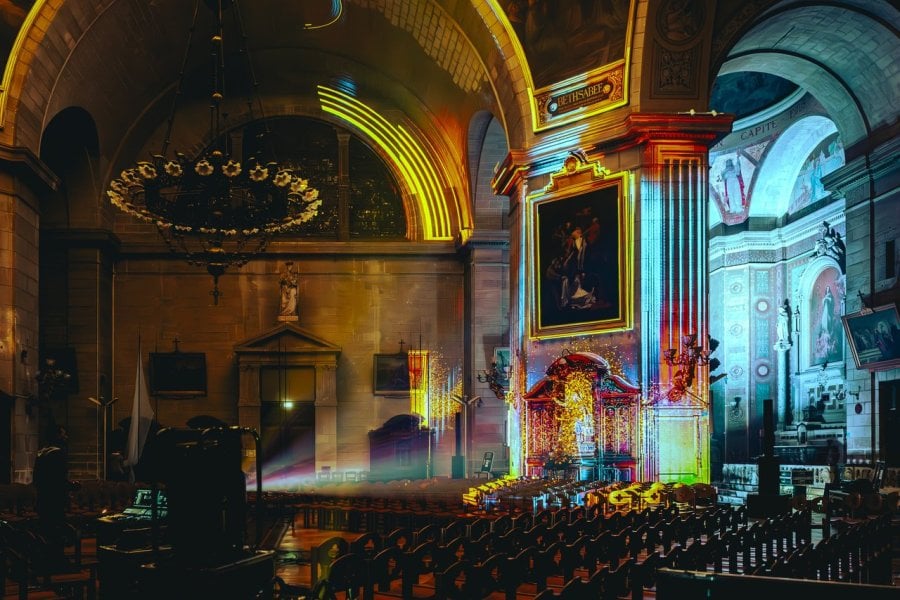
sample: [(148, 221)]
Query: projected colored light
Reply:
[(405, 152), (419, 378), (18, 44)]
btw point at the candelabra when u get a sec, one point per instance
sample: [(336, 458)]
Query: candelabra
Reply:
[(496, 378), (686, 361), (51, 380)]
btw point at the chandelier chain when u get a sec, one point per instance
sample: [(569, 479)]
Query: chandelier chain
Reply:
[(179, 90), (215, 209)]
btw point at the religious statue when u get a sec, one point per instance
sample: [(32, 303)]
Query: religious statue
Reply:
[(829, 243), (288, 309), (784, 322)]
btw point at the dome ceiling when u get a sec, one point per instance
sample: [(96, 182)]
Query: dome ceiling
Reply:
[(409, 58)]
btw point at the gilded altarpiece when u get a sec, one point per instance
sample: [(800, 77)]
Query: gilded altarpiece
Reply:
[(619, 429), (607, 441)]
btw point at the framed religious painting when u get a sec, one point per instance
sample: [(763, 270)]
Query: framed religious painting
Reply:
[(178, 374), (874, 337), (391, 374), (580, 246)]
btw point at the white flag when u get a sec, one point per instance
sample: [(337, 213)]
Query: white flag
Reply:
[(141, 416)]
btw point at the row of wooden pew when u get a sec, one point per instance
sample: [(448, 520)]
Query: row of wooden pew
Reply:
[(557, 556)]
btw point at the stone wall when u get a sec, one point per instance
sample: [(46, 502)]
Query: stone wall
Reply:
[(364, 304)]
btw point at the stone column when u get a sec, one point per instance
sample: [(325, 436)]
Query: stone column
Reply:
[(487, 327), (326, 417), (24, 179), (673, 239), (784, 411), (673, 247)]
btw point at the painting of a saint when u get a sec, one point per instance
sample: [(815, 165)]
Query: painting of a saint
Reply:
[(875, 337), (825, 158), (579, 262), (826, 334), (730, 177)]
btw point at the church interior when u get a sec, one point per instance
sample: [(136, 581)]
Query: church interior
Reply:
[(284, 279)]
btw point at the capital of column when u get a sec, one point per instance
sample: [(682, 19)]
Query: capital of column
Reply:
[(682, 131), (701, 129), (783, 345)]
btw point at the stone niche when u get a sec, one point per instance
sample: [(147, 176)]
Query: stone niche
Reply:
[(289, 345)]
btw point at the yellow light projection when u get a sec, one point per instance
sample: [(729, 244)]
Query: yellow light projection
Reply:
[(406, 153), (18, 45), (443, 386), (577, 407), (419, 380)]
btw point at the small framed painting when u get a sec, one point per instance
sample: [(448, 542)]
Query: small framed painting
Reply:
[(391, 374), (874, 337)]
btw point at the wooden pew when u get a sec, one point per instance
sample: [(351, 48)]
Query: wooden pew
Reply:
[(676, 585)]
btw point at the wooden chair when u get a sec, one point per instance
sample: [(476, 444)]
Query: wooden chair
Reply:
[(643, 575), (348, 578), (324, 555), (498, 573), (459, 581), (38, 568), (705, 496), (684, 497), (402, 538), (421, 562), (487, 462), (387, 570)]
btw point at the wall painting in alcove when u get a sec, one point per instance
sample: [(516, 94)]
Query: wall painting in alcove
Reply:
[(826, 334)]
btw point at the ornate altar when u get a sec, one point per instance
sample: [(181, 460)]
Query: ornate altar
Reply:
[(582, 416)]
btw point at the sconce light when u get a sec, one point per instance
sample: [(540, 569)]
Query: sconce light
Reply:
[(496, 379), (687, 359)]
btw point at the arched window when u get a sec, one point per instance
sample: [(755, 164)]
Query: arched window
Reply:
[(360, 195)]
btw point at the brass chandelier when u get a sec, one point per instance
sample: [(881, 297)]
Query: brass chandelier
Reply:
[(215, 210)]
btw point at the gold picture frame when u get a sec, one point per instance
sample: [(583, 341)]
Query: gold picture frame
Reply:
[(874, 337), (580, 253)]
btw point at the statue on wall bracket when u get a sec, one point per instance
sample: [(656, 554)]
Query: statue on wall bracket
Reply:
[(289, 308)]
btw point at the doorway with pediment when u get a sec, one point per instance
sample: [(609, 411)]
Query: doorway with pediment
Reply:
[(287, 394)]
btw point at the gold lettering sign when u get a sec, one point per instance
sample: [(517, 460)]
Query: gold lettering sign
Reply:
[(603, 90)]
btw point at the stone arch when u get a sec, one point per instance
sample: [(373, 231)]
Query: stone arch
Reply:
[(505, 60), (486, 148), (782, 163), (852, 80), (70, 147)]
